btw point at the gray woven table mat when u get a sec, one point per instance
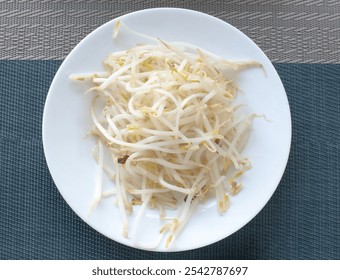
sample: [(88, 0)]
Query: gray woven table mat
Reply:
[(293, 31)]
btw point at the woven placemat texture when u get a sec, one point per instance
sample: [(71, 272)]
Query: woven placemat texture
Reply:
[(301, 221), (294, 31)]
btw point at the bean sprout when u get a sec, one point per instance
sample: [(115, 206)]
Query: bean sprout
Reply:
[(168, 121)]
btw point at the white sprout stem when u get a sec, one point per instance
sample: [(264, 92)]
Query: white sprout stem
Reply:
[(114, 127), (121, 204), (106, 168), (168, 164), (139, 217), (116, 74), (172, 187), (109, 193), (183, 221), (99, 183), (148, 191)]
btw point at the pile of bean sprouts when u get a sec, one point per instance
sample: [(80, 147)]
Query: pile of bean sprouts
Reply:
[(165, 114)]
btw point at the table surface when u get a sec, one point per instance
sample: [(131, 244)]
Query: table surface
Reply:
[(301, 37)]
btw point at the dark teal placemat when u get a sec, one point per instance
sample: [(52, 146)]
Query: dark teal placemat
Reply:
[(301, 221)]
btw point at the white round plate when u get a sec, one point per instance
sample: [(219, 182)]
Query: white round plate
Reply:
[(67, 119)]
